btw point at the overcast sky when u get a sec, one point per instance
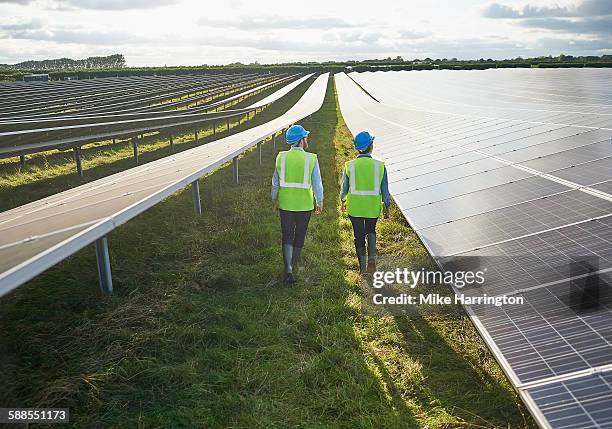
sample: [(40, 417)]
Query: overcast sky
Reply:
[(191, 32)]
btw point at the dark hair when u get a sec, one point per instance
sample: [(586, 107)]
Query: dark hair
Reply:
[(366, 150)]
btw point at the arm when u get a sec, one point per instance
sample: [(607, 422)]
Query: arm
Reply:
[(275, 185), (384, 189), (317, 184), (344, 188)]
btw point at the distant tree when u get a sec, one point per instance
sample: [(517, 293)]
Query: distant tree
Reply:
[(116, 61)]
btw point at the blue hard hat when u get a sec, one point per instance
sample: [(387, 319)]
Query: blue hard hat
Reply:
[(363, 140), (295, 133)]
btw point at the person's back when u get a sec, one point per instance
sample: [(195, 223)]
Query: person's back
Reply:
[(363, 193), (365, 178), (294, 168)]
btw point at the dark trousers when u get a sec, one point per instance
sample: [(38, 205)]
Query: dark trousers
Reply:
[(361, 227), (294, 226)]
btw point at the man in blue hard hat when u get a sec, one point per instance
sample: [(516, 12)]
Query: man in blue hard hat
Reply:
[(365, 190), (297, 185)]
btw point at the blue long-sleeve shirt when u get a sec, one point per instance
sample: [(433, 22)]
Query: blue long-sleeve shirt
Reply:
[(384, 187), (315, 180)]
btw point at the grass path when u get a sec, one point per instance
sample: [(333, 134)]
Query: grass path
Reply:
[(201, 333)]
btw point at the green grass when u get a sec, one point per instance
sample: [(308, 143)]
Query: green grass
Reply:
[(202, 333)]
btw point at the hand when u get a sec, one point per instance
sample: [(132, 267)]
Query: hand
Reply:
[(343, 206), (386, 213), (318, 210)]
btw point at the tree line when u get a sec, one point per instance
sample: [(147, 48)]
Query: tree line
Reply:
[(116, 61)]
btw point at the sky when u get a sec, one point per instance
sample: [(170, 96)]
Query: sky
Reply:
[(192, 32)]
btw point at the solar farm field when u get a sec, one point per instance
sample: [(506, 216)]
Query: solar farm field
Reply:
[(145, 290)]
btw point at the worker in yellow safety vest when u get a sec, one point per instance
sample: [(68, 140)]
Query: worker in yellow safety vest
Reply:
[(365, 190), (297, 186)]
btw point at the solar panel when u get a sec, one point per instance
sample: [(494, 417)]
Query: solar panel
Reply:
[(473, 203), (511, 171), (528, 217), (579, 403)]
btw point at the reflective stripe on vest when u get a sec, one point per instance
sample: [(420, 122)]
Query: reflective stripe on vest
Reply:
[(353, 187), (305, 184)]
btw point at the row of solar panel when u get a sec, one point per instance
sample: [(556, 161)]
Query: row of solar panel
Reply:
[(510, 195)]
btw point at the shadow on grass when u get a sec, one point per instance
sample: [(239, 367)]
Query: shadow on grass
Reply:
[(450, 379)]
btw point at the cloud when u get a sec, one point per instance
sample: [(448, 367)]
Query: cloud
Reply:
[(276, 22), (115, 4), (575, 46), (595, 25), (588, 8), (37, 30), (98, 4), (590, 17), (13, 24), (409, 34)]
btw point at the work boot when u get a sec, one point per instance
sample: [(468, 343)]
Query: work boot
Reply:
[(371, 253), (361, 257), (289, 279), (296, 261), (287, 259)]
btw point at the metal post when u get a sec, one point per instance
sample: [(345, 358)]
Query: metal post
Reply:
[(104, 269), (228, 129), (196, 135), (171, 144), (22, 161), (259, 154), (214, 129), (274, 141), (135, 147), (114, 142), (195, 191), (235, 169), (77, 158)]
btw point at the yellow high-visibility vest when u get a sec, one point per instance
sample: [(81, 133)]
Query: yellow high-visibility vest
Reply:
[(364, 198), (295, 169)]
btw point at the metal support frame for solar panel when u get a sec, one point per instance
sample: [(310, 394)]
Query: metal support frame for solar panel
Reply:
[(195, 193), (403, 112)]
